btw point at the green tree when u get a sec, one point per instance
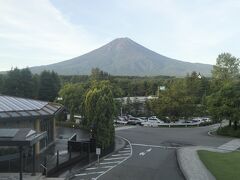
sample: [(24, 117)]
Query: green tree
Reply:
[(98, 75), (72, 95), (174, 102), (225, 104), (12, 83), (27, 83), (2, 81), (19, 83), (223, 100), (49, 85), (227, 67), (99, 110)]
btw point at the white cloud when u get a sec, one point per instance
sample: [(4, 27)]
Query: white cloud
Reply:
[(192, 30), (34, 32)]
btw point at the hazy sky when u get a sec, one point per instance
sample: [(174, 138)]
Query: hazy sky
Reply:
[(38, 32)]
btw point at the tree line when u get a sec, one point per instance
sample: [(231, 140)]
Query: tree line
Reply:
[(22, 83), (195, 95)]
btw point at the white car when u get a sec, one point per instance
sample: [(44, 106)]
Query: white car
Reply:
[(121, 120), (206, 119), (152, 122), (201, 120)]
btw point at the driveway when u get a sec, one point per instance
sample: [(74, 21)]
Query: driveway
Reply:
[(153, 153)]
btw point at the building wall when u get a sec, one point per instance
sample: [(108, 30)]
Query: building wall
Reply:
[(47, 125), (39, 125)]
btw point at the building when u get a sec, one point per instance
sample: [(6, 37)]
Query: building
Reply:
[(28, 113), (135, 105), (140, 99)]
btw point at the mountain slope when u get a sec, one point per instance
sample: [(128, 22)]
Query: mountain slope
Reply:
[(125, 57)]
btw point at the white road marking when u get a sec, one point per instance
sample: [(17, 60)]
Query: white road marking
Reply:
[(109, 159), (120, 161), (85, 174), (124, 151), (155, 146), (142, 153), (91, 168), (149, 150), (127, 148), (100, 167), (145, 152), (106, 167), (113, 162), (115, 155)]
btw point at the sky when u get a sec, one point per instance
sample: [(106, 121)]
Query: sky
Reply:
[(40, 32)]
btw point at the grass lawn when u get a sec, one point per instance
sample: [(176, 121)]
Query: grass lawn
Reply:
[(224, 166)]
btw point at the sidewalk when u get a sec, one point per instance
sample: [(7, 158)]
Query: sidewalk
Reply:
[(193, 168), (232, 145)]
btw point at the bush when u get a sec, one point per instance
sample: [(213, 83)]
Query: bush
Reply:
[(229, 131)]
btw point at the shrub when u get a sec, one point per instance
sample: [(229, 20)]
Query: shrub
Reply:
[(229, 131)]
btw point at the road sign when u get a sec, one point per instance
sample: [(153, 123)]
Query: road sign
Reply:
[(98, 151), (162, 88)]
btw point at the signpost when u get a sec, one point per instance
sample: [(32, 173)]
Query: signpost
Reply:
[(98, 152)]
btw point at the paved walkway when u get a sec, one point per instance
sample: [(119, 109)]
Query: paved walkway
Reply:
[(231, 145)]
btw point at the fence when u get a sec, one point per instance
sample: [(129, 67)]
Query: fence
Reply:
[(82, 152)]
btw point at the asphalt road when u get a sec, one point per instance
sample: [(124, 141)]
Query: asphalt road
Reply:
[(151, 154), (159, 163)]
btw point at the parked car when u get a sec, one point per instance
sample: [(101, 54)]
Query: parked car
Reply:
[(197, 120), (134, 121), (206, 119), (201, 120), (120, 120), (143, 119), (152, 122)]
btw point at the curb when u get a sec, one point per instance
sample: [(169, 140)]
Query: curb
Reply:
[(210, 132), (180, 164)]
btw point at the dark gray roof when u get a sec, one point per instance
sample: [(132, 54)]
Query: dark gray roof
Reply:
[(20, 137), (15, 107)]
